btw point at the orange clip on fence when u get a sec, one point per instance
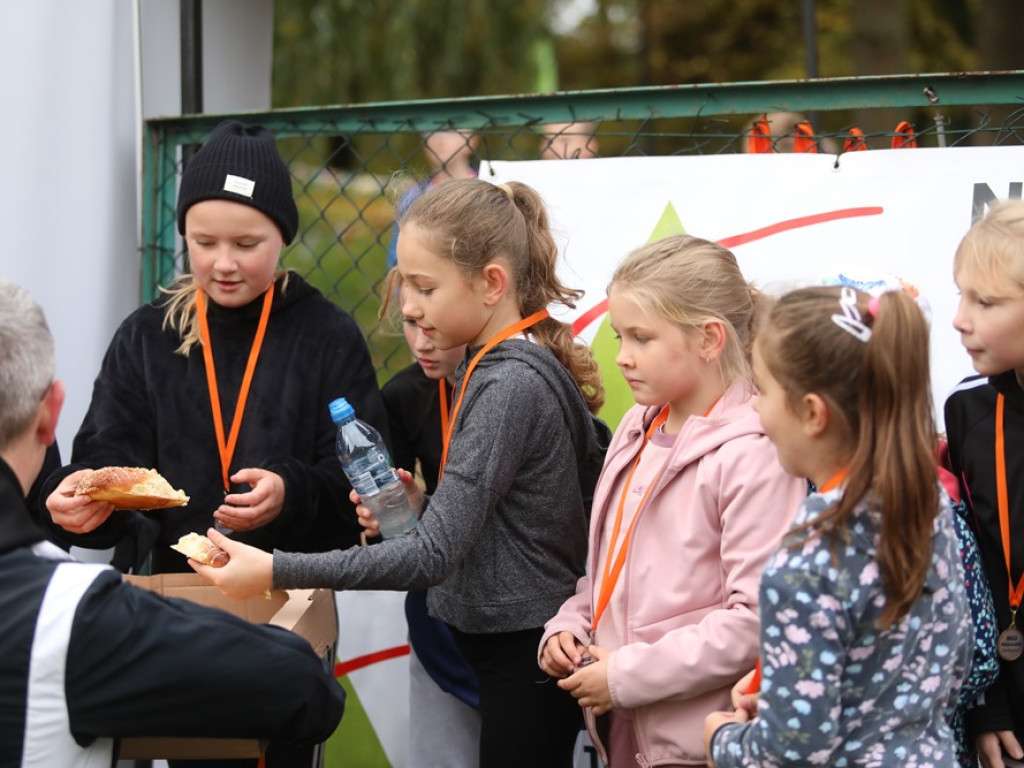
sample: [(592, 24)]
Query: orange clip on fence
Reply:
[(905, 137), (760, 141), (803, 137), (855, 142)]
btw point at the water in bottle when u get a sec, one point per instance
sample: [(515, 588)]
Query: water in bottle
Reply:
[(364, 457)]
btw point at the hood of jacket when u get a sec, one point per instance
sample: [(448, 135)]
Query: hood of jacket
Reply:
[(590, 435), (730, 418)]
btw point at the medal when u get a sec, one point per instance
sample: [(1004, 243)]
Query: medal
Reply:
[(1010, 644)]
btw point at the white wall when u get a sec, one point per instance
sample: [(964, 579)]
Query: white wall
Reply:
[(69, 146)]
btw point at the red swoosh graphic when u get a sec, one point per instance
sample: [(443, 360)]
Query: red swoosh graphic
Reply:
[(343, 668), (581, 322)]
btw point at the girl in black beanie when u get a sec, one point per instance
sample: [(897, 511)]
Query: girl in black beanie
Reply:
[(222, 384)]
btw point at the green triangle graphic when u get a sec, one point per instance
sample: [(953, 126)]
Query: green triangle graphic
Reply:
[(668, 224), (354, 744)]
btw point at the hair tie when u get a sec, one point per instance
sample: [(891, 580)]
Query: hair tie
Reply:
[(507, 190), (876, 285), (873, 306), (850, 319)]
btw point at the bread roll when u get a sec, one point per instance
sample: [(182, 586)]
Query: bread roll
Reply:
[(202, 550), (130, 488)]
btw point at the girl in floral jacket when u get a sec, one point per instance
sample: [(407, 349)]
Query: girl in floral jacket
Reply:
[(865, 630)]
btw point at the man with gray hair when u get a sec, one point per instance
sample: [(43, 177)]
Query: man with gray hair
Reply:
[(87, 659)]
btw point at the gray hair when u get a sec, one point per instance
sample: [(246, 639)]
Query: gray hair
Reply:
[(27, 360)]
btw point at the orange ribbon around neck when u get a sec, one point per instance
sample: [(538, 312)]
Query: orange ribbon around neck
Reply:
[(615, 561), (503, 334), (1003, 500), (755, 681), (227, 448), (443, 396), (833, 481)]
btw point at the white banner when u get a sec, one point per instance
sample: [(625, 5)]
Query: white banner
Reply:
[(790, 219)]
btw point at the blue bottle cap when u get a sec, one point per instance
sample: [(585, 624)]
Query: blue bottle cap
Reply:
[(341, 410)]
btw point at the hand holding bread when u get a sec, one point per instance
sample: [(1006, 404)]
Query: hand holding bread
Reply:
[(130, 488), (249, 571), (199, 548)]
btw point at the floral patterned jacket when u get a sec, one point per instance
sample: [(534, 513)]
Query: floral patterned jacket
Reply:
[(836, 689)]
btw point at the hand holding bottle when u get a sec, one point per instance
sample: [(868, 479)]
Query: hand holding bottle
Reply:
[(366, 516), (366, 463)]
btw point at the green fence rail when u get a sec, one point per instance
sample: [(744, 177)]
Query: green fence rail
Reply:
[(351, 165)]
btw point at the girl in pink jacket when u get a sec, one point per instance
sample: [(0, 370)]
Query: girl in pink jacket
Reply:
[(691, 502)]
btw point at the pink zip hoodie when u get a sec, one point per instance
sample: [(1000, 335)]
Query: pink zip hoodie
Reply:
[(690, 579)]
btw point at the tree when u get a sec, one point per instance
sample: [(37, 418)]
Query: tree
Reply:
[(344, 51)]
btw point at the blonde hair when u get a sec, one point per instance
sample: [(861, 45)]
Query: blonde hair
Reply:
[(687, 280), (993, 248), (879, 392), (180, 308), (473, 222)]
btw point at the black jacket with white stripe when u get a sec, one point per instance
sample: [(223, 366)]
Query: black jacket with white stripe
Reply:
[(971, 427), (86, 659)]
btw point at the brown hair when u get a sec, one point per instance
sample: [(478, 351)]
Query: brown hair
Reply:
[(993, 248), (879, 390), (687, 280), (474, 222)]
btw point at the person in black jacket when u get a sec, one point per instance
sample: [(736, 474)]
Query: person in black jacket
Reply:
[(985, 428), (87, 659), (222, 385), (253, 449)]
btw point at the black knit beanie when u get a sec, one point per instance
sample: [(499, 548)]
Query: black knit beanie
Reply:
[(241, 163)]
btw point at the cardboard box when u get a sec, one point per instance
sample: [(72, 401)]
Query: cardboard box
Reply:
[(307, 612)]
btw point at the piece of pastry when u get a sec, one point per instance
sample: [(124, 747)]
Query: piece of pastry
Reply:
[(130, 488), (202, 550)]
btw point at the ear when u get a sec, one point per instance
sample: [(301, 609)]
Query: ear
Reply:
[(49, 413), (713, 338), (495, 283), (814, 415)]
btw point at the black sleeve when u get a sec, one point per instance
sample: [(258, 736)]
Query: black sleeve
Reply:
[(317, 514), (403, 451), (117, 430), (142, 665)]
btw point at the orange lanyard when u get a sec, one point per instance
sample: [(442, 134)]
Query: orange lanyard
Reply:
[(613, 565), (1004, 504), (443, 395), (832, 482), (227, 449), (511, 330), (755, 681), (616, 560)]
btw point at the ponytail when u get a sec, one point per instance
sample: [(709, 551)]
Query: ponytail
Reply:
[(895, 456), (870, 365)]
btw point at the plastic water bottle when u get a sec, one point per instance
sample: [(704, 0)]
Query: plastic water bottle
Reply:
[(364, 457)]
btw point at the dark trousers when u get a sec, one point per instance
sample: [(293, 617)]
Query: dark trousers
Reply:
[(525, 718)]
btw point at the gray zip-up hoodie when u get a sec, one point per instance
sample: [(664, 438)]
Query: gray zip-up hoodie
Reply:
[(504, 538)]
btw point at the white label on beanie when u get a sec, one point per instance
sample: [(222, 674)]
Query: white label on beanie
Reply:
[(239, 185)]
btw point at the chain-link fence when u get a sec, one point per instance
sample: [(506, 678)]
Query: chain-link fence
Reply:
[(353, 166)]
